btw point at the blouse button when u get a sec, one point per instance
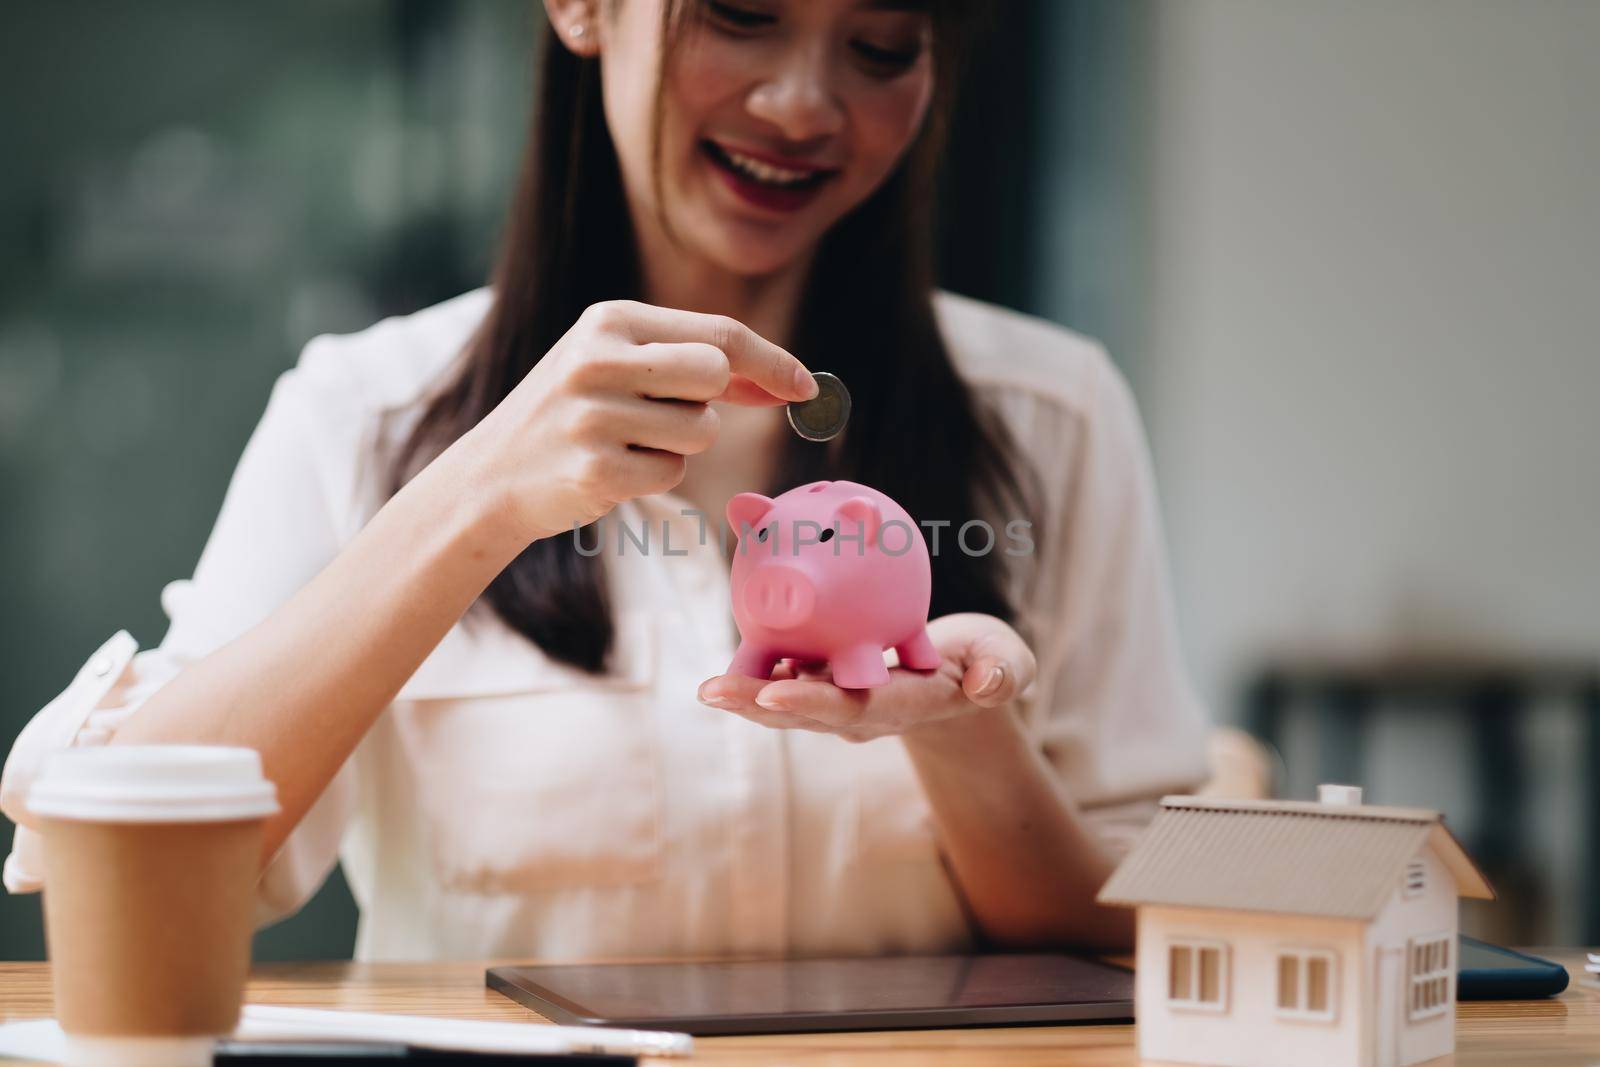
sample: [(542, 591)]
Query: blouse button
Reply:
[(100, 666)]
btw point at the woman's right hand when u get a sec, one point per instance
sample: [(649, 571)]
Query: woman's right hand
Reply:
[(613, 409)]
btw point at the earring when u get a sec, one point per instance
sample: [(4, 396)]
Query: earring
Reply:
[(577, 31)]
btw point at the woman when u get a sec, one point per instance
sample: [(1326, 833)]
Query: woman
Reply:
[(711, 186)]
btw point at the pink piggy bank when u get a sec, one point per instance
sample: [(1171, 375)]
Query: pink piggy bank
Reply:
[(830, 572)]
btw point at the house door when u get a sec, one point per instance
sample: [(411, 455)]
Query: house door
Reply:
[(1386, 1017)]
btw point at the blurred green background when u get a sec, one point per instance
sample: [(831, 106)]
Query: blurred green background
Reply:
[(191, 191)]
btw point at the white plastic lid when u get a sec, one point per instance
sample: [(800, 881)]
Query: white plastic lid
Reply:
[(79, 1051), (154, 783)]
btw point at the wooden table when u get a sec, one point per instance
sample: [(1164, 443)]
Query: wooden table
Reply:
[(1553, 1033)]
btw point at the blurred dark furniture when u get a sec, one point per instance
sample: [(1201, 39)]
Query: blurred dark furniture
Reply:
[(1490, 694)]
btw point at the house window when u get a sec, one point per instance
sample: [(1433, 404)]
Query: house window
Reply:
[(1197, 975), (1428, 960), (1416, 878), (1305, 984)]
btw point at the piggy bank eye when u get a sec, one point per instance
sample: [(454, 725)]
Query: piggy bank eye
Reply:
[(827, 535), (761, 534)]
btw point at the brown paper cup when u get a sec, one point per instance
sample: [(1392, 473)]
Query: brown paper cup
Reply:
[(151, 858)]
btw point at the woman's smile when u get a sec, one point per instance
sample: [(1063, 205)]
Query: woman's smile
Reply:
[(770, 183)]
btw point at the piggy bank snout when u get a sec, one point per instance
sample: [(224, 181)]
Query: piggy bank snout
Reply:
[(779, 597)]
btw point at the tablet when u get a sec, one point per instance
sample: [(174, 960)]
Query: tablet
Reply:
[(789, 996)]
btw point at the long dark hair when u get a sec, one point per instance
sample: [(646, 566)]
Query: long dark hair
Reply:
[(917, 432)]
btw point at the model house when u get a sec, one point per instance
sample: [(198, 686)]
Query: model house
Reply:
[(1277, 932)]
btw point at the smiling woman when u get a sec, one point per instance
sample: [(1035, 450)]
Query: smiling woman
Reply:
[(718, 197)]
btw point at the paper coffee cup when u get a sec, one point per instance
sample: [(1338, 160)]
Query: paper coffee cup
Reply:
[(151, 857)]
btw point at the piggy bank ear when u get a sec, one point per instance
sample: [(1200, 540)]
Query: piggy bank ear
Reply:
[(747, 509), (859, 513)]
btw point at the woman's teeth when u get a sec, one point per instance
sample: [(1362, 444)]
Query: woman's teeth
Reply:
[(765, 172)]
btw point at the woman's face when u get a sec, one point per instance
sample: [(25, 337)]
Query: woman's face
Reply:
[(777, 116)]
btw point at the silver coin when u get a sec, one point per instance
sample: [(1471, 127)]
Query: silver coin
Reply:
[(822, 418)]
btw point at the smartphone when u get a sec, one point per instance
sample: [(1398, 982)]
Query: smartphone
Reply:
[(1489, 972)]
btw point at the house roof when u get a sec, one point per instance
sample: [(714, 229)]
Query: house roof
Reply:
[(1294, 858)]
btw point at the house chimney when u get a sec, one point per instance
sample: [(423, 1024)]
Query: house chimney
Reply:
[(1339, 796)]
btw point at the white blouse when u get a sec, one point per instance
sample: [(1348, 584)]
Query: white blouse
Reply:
[(508, 805)]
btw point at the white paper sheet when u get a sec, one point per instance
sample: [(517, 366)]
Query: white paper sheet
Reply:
[(41, 1039)]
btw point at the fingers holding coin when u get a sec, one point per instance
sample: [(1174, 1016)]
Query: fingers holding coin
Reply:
[(823, 417)]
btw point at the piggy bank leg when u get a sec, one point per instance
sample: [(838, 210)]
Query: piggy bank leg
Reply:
[(860, 667), (918, 653), (753, 661)]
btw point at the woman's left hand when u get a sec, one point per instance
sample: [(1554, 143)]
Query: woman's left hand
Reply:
[(986, 664)]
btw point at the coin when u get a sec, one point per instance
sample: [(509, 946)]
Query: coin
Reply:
[(822, 418)]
